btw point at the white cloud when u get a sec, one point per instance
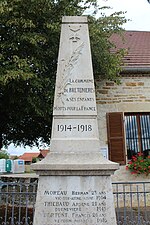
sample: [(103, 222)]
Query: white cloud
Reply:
[(12, 150), (137, 11)]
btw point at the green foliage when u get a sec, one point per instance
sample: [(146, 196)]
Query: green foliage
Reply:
[(139, 164), (106, 65), (4, 154), (30, 31), (34, 160)]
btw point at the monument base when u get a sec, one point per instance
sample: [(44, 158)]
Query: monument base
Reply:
[(75, 163), (75, 189), (74, 200)]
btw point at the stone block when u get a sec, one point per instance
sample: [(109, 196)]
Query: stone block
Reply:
[(131, 84)]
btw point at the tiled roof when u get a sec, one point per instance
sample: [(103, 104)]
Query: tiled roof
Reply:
[(29, 156), (44, 152), (137, 44)]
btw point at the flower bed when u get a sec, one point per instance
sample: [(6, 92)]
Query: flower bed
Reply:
[(139, 165)]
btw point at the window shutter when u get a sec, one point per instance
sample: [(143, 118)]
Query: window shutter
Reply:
[(116, 143)]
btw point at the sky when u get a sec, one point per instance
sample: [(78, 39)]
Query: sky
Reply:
[(19, 150), (138, 11)]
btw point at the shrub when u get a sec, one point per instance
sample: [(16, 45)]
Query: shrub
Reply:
[(34, 160), (139, 165)]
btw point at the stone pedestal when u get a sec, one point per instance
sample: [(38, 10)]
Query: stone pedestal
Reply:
[(74, 183), (71, 200)]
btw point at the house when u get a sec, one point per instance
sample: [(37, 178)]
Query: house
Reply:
[(124, 110), (28, 156), (43, 153)]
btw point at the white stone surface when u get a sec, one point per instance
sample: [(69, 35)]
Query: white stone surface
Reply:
[(75, 128), (75, 91), (75, 163), (75, 134), (75, 200), (74, 182)]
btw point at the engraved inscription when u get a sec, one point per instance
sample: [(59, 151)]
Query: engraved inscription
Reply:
[(78, 90), (74, 108), (74, 36), (80, 81), (76, 207), (78, 127), (76, 96), (79, 99), (75, 128)]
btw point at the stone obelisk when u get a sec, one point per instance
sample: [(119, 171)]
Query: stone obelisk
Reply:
[(74, 179)]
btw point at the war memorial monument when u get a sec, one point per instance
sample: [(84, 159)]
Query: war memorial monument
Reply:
[(74, 179)]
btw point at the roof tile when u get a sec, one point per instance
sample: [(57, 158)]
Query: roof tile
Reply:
[(29, 156), (137, 44)]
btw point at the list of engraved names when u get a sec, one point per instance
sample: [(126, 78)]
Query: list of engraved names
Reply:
[(75, 207)]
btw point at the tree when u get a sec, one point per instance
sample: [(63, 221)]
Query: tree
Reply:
[(34, 160), (30, 41), (4, 154)]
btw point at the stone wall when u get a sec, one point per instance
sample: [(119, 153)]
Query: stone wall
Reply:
[(132, 95)]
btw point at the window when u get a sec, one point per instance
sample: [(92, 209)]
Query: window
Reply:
[(137, 126), (128, 134)]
